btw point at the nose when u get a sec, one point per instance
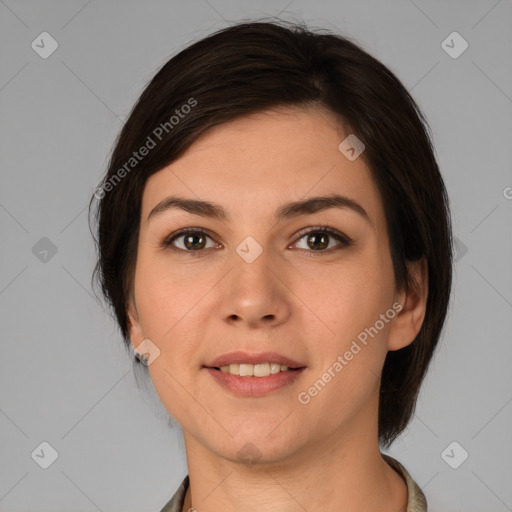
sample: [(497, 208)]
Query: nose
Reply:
[(255, 295)]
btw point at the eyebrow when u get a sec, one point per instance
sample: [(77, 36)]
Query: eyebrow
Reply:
[(286, 211)]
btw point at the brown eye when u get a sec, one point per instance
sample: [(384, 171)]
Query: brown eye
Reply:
[(321, 239), (317, 241), (192, 240)]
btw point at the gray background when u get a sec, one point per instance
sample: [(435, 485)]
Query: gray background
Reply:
[(65, 376)]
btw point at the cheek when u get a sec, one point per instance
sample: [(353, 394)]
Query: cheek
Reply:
[(350, 296), (349, 358), (168, 307), (350, 303), (168, 312), (163, 295)]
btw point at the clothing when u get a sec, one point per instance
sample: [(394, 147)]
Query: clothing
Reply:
[(416, 499)]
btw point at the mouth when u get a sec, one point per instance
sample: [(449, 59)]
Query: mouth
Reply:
[(254, 370), (254, 374), (257, 365)]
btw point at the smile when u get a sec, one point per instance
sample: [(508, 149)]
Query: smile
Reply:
[(254, 370)]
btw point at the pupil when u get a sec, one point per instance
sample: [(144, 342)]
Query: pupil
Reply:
[(192, 239), (323, 244)]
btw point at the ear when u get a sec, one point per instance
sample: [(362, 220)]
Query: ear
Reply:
[(134, 327), (407, 323)]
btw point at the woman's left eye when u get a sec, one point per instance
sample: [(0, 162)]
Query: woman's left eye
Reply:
[(318, 239)]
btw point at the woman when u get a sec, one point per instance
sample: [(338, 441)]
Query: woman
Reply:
[(274, 239)]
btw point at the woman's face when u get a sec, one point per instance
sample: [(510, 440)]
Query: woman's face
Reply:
[(253, 281)]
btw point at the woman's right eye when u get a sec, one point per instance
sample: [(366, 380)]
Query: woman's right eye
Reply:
[(188, 240)]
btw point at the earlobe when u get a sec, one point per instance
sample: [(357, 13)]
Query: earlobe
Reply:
[(408, 322), (134, 327)]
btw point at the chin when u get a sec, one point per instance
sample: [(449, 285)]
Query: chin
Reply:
[(259, 448)]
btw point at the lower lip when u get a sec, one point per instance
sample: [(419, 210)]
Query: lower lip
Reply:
[(254, 386)]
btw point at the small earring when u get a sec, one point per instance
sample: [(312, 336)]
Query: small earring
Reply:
[(143, 358)]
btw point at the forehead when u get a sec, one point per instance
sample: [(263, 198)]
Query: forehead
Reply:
[(258, 162)]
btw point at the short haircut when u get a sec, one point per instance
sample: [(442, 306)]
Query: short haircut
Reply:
[(253, 66)]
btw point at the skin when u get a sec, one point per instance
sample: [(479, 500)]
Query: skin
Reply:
[(320, 456)]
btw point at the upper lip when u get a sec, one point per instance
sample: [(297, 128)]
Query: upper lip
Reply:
[(245, 358)]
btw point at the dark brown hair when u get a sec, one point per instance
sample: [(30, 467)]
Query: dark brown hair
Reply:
[(253, 66)]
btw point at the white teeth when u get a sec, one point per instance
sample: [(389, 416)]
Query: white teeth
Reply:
[(275, 367), (246, 370), (262, 370), (256, 370)]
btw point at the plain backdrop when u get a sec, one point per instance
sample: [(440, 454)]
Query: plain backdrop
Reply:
[(65, 378)]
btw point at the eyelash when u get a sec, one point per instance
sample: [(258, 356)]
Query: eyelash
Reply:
[(340, 237)]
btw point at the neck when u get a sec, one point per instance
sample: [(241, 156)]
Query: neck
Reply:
[(344, 471)]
